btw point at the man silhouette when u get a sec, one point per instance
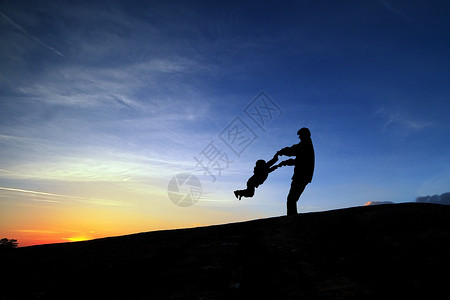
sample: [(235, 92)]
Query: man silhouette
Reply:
[(303, 170)]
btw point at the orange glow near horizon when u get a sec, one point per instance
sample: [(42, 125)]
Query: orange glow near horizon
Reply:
[(33, 217), (77, 239), (32, 237), (39, 237), (89, 229), (27, 238)]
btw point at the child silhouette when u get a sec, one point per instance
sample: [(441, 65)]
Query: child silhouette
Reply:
[(260, 173)]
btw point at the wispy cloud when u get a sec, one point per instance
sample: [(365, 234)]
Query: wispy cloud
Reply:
[(386, 4), (56, 198), (32, 192), (32, 37), (400, 120), (41, 231), (6, 137)]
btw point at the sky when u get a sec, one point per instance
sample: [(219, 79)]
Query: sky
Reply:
[(104, 103)]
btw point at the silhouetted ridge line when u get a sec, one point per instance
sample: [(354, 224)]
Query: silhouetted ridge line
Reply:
[(371, 252)]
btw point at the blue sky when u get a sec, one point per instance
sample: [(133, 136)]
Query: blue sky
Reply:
[(102, 103)]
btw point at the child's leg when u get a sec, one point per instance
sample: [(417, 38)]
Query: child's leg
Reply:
[(248, 192)]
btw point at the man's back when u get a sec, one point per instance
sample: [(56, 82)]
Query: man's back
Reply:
[(304, 160)]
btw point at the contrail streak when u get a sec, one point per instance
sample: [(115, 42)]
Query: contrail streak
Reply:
[(35, 39), (80, 199), (33, 192)]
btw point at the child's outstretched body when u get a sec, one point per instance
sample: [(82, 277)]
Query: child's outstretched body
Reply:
[(260, 173)]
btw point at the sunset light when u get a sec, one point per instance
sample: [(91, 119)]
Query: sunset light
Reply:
[(104, 105), (76, 239)]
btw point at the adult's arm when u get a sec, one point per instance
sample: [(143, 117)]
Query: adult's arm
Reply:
[(288, 151)]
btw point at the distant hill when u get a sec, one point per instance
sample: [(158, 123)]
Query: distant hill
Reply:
[(373, 252)]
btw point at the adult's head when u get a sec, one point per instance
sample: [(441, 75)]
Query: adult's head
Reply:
[(304, 133)]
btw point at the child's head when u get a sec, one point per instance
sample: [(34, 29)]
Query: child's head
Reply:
[(260, 163)]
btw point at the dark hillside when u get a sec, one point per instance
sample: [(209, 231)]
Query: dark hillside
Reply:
[(400, 250)]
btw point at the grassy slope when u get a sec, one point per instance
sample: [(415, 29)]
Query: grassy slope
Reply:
[(363, 252)]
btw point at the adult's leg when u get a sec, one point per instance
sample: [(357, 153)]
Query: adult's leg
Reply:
[(296, 190)]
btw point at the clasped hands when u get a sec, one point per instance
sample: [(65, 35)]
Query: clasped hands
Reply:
[(283, 163)]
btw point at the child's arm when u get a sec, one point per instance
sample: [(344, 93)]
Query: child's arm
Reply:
[(289, 162), (273, 160), (274, 168)]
